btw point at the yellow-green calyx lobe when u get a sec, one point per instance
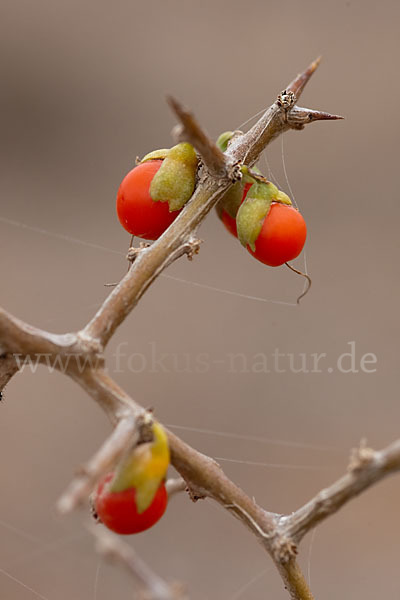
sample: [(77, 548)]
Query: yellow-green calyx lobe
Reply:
[(155, 155), (232, 199), (252, 212), (175, 180), (144, 469), (223, 140), (252, 175), (283, 198)]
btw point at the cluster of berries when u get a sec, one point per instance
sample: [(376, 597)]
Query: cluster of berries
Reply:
[(150, 197), (262, 217)]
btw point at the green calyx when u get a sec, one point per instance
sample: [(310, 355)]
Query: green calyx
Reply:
[(224, 139), (155, 155), (175, 180), (252, 212), (231, 200), (253, 175)]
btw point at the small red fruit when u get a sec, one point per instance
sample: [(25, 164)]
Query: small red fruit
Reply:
[(138, 213), (282, 236), (118, 511)]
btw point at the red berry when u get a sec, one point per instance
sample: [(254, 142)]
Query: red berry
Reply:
[(137, 211), (230, 222), (282, 236), (118, 512)]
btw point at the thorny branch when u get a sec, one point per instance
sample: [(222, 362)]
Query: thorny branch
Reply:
[(202, 476), (366, 468)]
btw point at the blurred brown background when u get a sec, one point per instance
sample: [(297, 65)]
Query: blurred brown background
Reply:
[(82, 93)]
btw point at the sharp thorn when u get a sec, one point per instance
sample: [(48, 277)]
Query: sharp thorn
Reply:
[(298, 84)]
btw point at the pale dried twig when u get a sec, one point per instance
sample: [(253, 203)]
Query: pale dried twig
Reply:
[(153, 587)]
